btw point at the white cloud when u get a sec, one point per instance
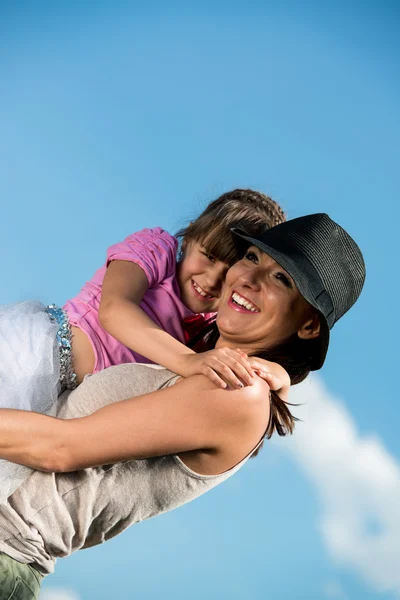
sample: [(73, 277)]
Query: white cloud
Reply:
[(57, 594), (358, 482)]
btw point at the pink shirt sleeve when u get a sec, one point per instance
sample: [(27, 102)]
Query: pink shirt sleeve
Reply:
[(154, 250)]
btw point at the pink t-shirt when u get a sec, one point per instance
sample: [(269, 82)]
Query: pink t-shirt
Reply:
[(154, 250)]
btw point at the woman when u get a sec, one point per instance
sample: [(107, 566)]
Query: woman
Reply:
[(294, 282)]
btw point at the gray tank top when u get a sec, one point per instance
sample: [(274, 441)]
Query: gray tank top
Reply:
[(52, 515)]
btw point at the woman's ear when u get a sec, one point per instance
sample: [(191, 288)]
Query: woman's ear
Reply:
[(310, 328)]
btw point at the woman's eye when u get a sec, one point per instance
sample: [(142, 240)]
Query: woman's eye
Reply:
[(285, 279), (251, 256)]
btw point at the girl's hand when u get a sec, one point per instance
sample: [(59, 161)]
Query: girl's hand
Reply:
[(275, 375), (223, 366)]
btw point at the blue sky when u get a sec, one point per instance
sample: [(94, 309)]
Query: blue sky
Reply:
[(115, 116)]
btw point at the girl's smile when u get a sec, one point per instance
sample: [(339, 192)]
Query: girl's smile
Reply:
[(200, 277), (200, 292)]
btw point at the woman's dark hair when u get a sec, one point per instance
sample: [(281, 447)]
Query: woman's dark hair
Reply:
[(294, 355), (250, 210)]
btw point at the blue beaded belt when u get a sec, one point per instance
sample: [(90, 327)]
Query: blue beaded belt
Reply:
[(63, 337)]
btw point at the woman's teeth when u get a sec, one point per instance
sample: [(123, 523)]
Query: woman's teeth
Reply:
[(200, 291), (243, 302)]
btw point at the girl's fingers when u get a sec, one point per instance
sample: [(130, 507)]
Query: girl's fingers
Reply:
[(232, 371), (263, 374), (214, 377), (232, 358), (259, 366), (241, 370), (229, 374), (270, 367), (267, 376), (275, 384), (225, 365), (242, 360)]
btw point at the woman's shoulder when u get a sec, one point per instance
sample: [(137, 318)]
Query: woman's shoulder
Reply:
[(245, 399), (238, 420), (238, 410)]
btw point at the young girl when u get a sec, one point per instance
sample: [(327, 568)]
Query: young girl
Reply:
[(136, 308)]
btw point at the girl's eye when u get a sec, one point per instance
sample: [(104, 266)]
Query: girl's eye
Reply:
[(209, 256), (251, 256), (284, 278)]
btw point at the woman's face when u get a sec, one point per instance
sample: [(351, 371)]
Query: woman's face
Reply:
[(261, 306)]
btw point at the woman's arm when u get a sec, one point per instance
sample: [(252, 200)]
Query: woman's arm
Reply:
[(192, 415), (124, 286)]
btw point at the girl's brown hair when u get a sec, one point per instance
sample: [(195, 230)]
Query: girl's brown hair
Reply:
[(250, 210)]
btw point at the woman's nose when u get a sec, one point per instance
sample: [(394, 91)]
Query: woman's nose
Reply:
[(251, 278)]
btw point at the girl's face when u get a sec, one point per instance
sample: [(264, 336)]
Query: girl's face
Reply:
[(261, 306), (200, 278)]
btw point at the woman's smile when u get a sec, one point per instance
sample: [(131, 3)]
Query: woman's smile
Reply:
[(242, 304), (259, 287)]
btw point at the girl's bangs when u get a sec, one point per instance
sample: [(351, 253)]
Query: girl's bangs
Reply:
[(219, 243)]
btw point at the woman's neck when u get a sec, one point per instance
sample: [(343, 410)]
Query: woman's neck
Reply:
[(223, 343)]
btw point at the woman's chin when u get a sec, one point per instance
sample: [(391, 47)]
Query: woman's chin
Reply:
[(227, 324), (231, 332)]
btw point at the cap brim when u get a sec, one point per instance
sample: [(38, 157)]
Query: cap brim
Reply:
[(320, 344)]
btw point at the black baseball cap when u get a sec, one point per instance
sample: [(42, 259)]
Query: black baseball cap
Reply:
[(325, 263)]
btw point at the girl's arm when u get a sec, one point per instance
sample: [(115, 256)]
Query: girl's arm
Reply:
[(191, 415), (124, 286)]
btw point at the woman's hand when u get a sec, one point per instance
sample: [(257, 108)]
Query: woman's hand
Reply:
[(223, 366), (275, 375)]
